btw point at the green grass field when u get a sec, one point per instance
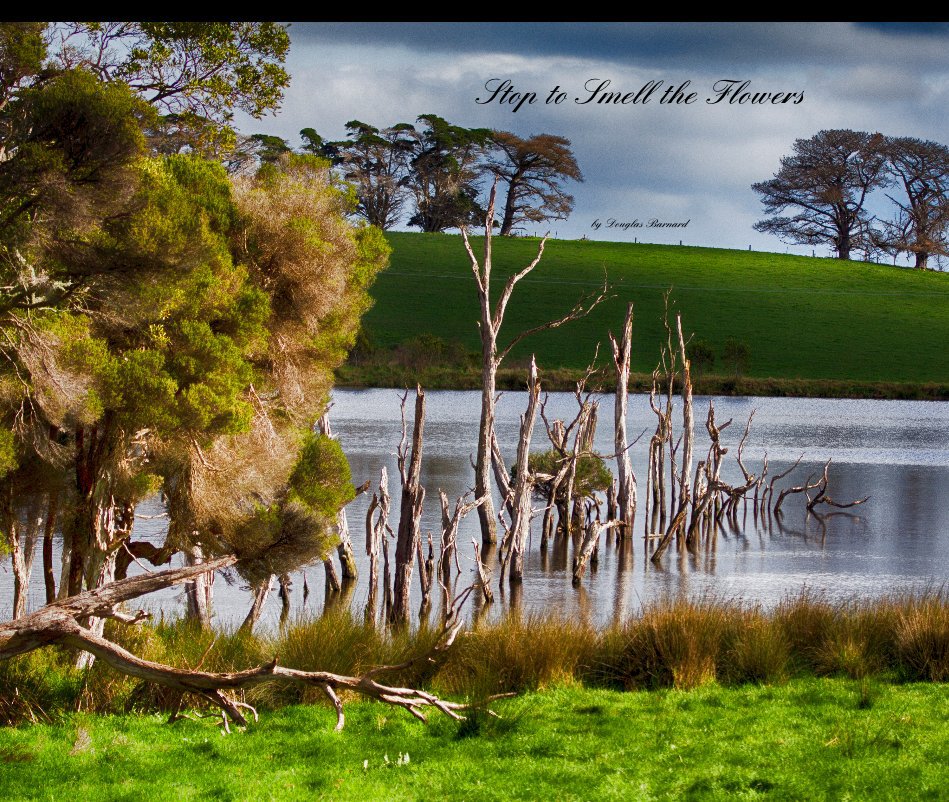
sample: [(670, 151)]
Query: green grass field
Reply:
[(802, 317), (810, 739)]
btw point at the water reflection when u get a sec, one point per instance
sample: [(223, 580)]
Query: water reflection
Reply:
[(895, 451)]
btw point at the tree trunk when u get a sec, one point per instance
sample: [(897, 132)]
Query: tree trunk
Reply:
[(520, 525), (626, 479), (347, 559), (688, 423), (487, 515), (49, 529), (257, 606), (199, 591), (410, 513), (332, 578)]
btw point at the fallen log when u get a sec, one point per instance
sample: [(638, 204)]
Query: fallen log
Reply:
[(58, 623)]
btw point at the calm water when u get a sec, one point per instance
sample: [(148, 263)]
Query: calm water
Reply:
[(895, 451)]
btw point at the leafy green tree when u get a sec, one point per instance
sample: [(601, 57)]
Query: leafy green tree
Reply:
[(446, 166), (206, 69), (376, 162), (592, 475), (194, 74), (736, 353), (921, 169), (163, 327), (701, 355), (315, 145)]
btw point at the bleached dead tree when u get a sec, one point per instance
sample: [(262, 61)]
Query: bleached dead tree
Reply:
[(448, 548), (625, 478), (377, 529), (410, 511), (492, 317)]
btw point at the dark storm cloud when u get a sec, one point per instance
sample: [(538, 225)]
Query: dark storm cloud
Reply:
[(661, 43), (909, 28)]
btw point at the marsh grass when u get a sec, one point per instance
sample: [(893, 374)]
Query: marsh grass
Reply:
[(680, 644)]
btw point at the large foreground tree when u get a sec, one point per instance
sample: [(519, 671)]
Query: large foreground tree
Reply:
[(163, 327), (825, 183)]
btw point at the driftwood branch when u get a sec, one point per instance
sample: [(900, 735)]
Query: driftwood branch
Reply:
[(58, 623)]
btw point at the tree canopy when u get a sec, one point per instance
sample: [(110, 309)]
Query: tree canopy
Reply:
[(166, 326), (921, 169), (825, 182), (440, 171), (533, 170)]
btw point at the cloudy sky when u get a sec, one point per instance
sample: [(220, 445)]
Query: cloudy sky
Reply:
[(671, 162)]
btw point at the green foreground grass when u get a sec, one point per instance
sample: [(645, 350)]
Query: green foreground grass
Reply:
[(809, 739), (819, 320)]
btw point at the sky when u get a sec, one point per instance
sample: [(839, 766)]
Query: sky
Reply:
[(669, 162)]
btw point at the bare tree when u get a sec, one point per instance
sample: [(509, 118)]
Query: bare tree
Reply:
[(492, 356), (626, 480), (409, 535), (515, 540), (60, 623)]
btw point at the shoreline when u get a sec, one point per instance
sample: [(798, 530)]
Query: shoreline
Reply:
[(565, 379)]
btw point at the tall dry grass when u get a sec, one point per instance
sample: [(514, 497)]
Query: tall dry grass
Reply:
[(679, 643)]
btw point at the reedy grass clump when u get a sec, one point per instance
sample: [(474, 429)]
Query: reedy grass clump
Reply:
[(674, 643), (514, 655)]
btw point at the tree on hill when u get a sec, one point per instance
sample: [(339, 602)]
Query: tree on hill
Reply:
[(826, 183), (446, 166), (376, 163), (921, 169), (533, 170)]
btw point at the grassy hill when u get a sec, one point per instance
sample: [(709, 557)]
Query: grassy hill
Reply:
[(802, 318)]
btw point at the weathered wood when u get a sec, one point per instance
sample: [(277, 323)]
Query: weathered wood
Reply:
[(410, 512), (591, 538), (520, 524), (491, 320), (625, 478), (484, 576), (57, 624), (377, 526), (199, 591), (448, 548), (333, 584), (822, 498), (688, 424)]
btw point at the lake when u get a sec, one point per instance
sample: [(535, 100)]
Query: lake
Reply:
[(897, 452)]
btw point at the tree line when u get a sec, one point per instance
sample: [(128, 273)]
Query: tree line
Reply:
[(436, 174), (823, 192)]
